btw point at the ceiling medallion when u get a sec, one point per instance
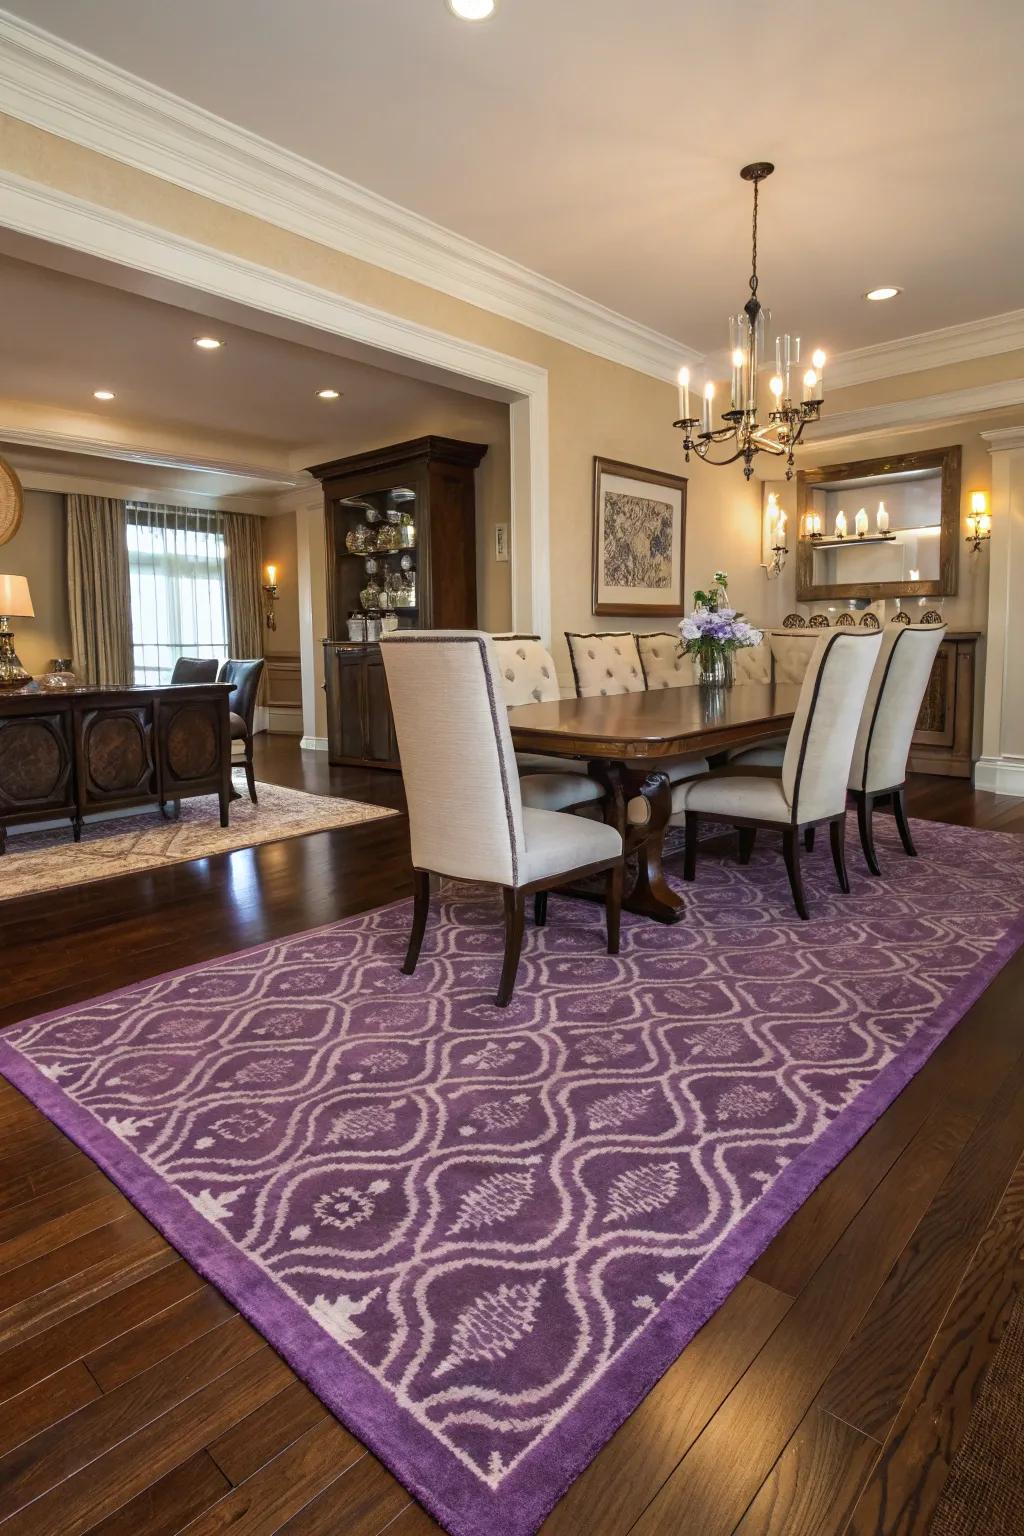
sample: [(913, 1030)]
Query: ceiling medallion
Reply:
[(742, 433)]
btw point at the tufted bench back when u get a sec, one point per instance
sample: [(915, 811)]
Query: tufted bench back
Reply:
[(526, 670), (605, 664)]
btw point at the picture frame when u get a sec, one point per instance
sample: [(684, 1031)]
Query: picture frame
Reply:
[(639, 544)]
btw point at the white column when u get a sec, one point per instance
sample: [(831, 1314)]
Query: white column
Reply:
[(312, 547), (1001, 765)]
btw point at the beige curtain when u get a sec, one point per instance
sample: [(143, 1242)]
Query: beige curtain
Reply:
[(99, 594), (244, 584)]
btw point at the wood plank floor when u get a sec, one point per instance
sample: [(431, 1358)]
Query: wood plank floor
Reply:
[(827, 1395)]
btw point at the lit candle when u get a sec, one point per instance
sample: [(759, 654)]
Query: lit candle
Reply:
[(775, 385), (709, 395), (271, 575), (817, 523), (819, 363), (985, 524), (860, 522), (779, 541), (683, 380), (840, 525), (882, 518), (737, 379), (914, 575), (810, 382), (788, 352), (778, 354)]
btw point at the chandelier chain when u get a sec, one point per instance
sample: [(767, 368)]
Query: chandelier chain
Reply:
[(753, 254)]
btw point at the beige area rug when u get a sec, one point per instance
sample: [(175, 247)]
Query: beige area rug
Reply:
[(51, 860), (984, 1493)]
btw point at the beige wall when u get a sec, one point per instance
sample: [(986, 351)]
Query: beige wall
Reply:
[(38, 552), (280, 548)]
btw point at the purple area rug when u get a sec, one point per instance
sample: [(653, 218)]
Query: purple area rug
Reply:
[(482, 1235)]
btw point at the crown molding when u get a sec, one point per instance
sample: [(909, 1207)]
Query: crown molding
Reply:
[(928, 349), (275, 480), (1004, 439), (75, 95), (911, 415)]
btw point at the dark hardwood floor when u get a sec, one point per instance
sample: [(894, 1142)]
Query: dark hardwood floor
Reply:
[(828, 1394)]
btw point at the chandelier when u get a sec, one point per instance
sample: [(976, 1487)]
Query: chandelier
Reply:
[(742, 436)]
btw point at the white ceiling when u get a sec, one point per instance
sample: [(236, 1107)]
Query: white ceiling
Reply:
[(599, 142), (64, 335)]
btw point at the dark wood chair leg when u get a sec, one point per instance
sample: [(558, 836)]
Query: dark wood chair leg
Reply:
[(690, 856), (250, 776), (837, 837), (747, 836), (540, 909), (809, 839), (791, 854), (515, 916), (613, 906), (865, 810), (899, 807), (420, 908), (76, 828)]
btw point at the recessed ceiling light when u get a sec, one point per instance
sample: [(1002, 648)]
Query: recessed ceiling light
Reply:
[(328, 394), (876, 295), (103, 394), (471, 10), (207, 343)]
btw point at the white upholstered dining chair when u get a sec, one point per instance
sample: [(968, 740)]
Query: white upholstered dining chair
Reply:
[(878, 770), (809, 789), (528, 676), (467, 819)]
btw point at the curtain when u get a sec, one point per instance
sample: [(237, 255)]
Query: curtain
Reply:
[(177, 566), (99, 590), (244, 584)]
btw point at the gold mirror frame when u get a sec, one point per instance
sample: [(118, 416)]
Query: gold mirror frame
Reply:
[(945, 459)]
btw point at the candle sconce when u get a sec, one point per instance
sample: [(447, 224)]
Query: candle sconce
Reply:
[(979, 521), (773, 535), (270, 588)]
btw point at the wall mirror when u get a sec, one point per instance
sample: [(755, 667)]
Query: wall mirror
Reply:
[(879, 528)]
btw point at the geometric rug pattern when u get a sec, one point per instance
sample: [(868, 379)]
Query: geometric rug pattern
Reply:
[(50, 860), (482, 1234)]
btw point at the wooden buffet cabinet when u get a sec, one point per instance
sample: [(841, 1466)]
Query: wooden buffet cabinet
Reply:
[(81, 750), (429, 484), (943, 740)]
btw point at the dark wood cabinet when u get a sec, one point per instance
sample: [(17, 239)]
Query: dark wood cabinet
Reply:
[(101, 749), (422, 491), (943, 740)]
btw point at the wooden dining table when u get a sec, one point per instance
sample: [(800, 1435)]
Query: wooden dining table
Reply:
[(625, 739)]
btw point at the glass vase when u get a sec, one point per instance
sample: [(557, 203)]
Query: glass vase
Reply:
[(713, 669)]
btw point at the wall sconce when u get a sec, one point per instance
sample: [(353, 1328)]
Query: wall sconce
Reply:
[(979, 521), (773, 536), (270, 588)]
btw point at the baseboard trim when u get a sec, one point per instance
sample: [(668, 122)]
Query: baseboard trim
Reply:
[(1000, 775), (313, 744)]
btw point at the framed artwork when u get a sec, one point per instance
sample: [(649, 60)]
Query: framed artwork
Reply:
[(639, 540)]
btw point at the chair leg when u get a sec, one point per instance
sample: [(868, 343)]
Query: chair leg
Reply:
[(690, 856), (515, 916), (809, 839), (613, 906), (837, 837), (899, 807), (747, 836), (420, 908), (865, 812), (540, 909), (791, 854), (250, 778)]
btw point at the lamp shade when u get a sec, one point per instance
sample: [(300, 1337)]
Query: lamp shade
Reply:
[(15, 602)]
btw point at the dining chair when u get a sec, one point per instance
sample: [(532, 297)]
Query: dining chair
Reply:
[(809, 789), (193, 669), (467, 819), (528, 676), (244, 677), (603, 665), (878, 769)]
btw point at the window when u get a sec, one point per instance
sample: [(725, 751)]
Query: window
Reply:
[(176, 565)]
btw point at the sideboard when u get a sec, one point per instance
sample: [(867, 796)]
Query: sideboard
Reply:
[(943, 740), (81, 750)]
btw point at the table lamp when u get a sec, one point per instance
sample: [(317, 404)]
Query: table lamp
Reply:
[(15, 603)]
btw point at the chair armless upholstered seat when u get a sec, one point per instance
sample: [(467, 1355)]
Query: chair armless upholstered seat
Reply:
[(810, 789), (528, 676), (244, 677), (467, 819)]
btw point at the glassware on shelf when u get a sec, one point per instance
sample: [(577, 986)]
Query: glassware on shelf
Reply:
[(407, 531), (405, 563), (371, 565), (389, 539), (373, 515), (371, 595), (359, 540)]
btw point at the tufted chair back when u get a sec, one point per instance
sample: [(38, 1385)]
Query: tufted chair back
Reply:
[(605, 664), (663, 661), (527, 671)]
